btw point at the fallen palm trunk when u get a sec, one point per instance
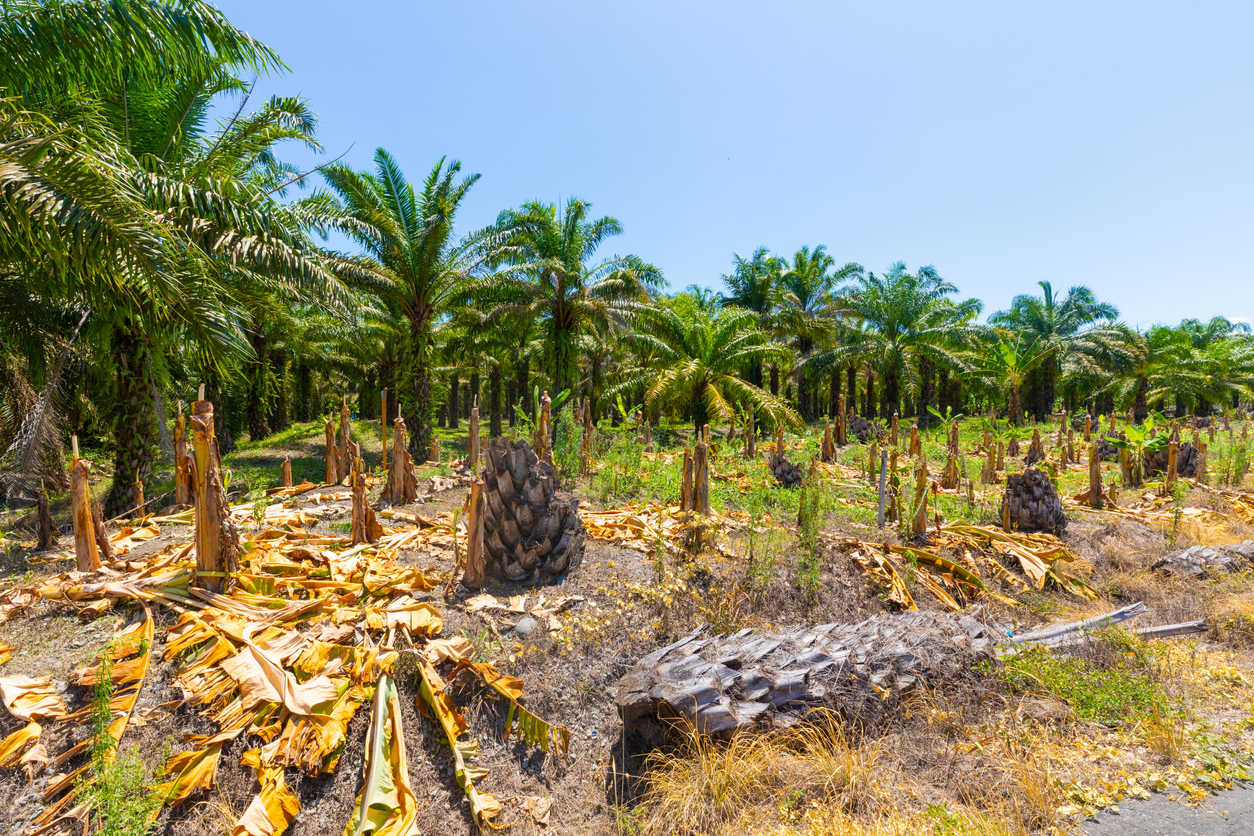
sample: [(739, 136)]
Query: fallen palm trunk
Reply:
[(1064, 634), (721, 685)]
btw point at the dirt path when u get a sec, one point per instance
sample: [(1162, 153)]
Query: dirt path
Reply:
[(1227, 814)]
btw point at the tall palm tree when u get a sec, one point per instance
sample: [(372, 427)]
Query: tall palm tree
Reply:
[(905, 318), (754, 285), (697, 358), (1005, 366), (558, 282), (808, 312), (411, 258), (1057, 326)]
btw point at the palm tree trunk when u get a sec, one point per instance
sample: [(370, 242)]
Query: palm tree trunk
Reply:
[(494, 402), (1140, 410), (454, 391), (511, 398), (927, 392), (302, 380), (474, 392), (254, 400), (1048, 393), (868, 406), (775, 379), (851, 381), (833, 396), (524, 386), (892, 393), (134, 422), (1015, 411), (222, 408), (282, 416), (418, 415)]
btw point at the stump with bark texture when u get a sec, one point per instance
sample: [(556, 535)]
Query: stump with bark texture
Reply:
[(1031, 503), (1186, 460), (345, 444), (827, 451), (725, 684), (217, 539), (864, 430), (331, 475), (366, 527), (402, 485), (529, 534), (47, 528), (86, 552), (784, 471), (1036, 450)]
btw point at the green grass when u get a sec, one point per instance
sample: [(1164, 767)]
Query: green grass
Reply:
[(1119, 688)]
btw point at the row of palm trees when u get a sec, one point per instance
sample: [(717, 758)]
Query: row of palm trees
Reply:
[(144, 251)]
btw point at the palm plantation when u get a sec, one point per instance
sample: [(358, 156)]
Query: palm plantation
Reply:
[(155, 238)]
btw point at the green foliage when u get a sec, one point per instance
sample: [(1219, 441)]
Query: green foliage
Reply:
[(566, 445), (810, 517), (1117, 689), (1178, 492), (618, 478), (117, 790), (1233, 462)]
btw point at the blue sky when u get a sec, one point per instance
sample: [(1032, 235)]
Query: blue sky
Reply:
[(1107, 144)]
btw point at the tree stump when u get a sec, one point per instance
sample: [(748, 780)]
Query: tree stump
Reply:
[(916, 443), (402, 486), (1031, 503), (287, 472), (48, 533), (686, 483), (217, 540), (332, 473), (137, 496), (366, 527), (842, 437), (103, 546), (1096, 499), (86, 552), (828, 447), (701, 479), (474, 562), (345, 462), (918, 525), (528, 532), (1036, 450)]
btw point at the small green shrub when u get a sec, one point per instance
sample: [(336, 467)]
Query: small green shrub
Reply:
[(566, 446), (117, 790)]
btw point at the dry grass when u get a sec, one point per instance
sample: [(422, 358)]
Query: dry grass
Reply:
[(814, 779)]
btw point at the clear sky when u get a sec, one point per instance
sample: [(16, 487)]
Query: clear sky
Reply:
[(1107, 144)]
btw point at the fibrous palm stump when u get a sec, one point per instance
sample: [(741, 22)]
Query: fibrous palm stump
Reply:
[(1031, 503), (784, 471), (863, 429), (529, 534), (1186, 460), (722, 685)]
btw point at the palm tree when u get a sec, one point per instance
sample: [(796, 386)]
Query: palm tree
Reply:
[(808, 312), (558, 283), (411, 259), (1057, 326), (1005, 366), (905, 317), (698, 357), (754, 285)]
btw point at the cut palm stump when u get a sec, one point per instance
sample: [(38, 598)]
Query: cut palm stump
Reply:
[(217, 539), (1159, 461), (722, 685), (86, 552), (1031, 503), (784, 471), (529, 534)]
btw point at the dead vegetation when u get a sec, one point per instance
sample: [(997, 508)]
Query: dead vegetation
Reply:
[(330, 671)]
